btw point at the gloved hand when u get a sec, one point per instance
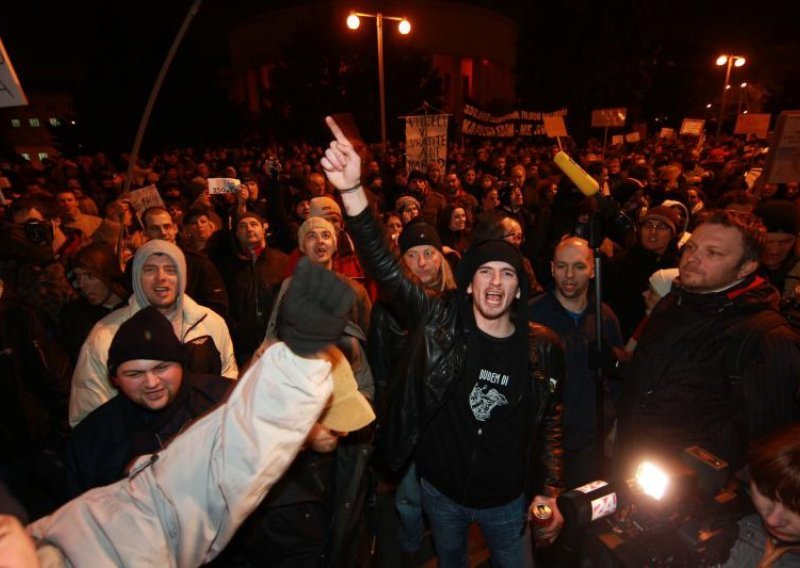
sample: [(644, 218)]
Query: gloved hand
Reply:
[(314, 310)]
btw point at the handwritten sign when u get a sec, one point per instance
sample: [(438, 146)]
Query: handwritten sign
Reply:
[(11, 93), (632, 137), (426, 141), (478, 122), (692, 126), (217, 186), (143, 198), (609, 117), (666, 133), (617, 140)]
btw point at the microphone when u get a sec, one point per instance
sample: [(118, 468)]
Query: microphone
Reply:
[(586, 183)]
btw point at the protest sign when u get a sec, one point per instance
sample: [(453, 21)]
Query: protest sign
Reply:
[(783, 158), (609, 117), (554, 126), (666, 133), (223, 185), (632, 137), (143, 198), (692, 126), (757, 124), (617, 139), (11, 93), (426, 141), (477, 122)]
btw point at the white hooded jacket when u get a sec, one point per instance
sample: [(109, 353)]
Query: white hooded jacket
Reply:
[(91, 386)]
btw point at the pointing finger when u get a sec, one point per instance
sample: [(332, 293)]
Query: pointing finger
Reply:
[(336, 131)]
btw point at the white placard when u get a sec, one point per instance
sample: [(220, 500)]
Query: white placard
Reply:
[(692, 126), (617, 140), (217, 186), (426, 141), (632, 137)]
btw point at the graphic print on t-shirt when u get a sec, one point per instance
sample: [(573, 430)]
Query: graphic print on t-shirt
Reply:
[(483, 398)]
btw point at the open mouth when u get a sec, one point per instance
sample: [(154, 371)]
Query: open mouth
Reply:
[(493, 298)]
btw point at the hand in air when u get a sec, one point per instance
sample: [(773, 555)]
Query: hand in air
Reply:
[(341, 163)]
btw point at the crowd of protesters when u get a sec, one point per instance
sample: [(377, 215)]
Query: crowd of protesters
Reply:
[(83, 273)]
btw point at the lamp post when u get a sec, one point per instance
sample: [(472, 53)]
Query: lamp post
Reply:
[(404, 27), (731, 61)]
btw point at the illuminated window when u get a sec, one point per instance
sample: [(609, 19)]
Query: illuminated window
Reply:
[(33, 121), (26, 156), (15, 122), (42, 155), (55, 122)]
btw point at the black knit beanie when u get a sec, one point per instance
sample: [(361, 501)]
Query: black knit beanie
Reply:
[(146, 335), (417, 233)]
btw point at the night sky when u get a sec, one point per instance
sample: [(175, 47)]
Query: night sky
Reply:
[(578, 53)]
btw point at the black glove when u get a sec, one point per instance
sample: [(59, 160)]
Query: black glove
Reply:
[(314, 310)]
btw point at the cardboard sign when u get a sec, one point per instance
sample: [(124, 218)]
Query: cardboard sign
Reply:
[(609, 117), (143, 198), (667, 133), (426, 141), (217, 186), (757, 124), (617, 140), (632, 137), (783, 158), (692, 126), (554, 126), (11, 94)]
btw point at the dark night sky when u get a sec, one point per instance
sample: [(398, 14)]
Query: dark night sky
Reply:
[(568, 45), (50, 42)]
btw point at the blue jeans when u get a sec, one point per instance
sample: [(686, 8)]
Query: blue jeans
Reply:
[(408, 502), (503, 529)]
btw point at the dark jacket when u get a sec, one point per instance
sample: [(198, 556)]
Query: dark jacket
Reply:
[(627, 276), (110, 437), (34, 384), (681, 391), (578, 334), (436, 356)]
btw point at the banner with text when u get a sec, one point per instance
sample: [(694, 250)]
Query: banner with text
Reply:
[(143, 198), (426, 141), (757, 124), (516, 123)]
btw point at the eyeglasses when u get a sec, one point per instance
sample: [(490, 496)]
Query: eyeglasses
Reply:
[(660, 227)]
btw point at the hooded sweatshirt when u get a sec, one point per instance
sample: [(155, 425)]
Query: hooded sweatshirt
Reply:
[(204, 333)]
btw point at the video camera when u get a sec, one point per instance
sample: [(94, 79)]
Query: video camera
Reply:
[(679, 513)]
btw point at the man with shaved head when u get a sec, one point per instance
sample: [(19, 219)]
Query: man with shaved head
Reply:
[(569, 310)]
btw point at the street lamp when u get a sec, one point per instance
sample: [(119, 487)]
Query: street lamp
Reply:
[(404, 27), (731, 61)]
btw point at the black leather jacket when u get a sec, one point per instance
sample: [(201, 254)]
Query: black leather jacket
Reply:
[(436, 354)]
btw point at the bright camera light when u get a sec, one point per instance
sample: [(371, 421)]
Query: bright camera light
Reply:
[(404, 27), (353, 22), (652, 480)]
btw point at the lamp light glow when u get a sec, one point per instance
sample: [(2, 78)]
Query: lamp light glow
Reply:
[(404, 27), (353, 22), (738, 62), (722, 60)]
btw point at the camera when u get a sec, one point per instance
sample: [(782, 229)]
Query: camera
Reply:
[(38, 232), (676, 513)]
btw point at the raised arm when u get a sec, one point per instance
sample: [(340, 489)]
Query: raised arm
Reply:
[(342, 166)]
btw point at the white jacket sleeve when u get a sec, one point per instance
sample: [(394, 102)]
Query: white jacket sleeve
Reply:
[(183, 508), (90, 385), (228, 360)]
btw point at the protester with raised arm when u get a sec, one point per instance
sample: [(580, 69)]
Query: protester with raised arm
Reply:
[(476, 400)]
